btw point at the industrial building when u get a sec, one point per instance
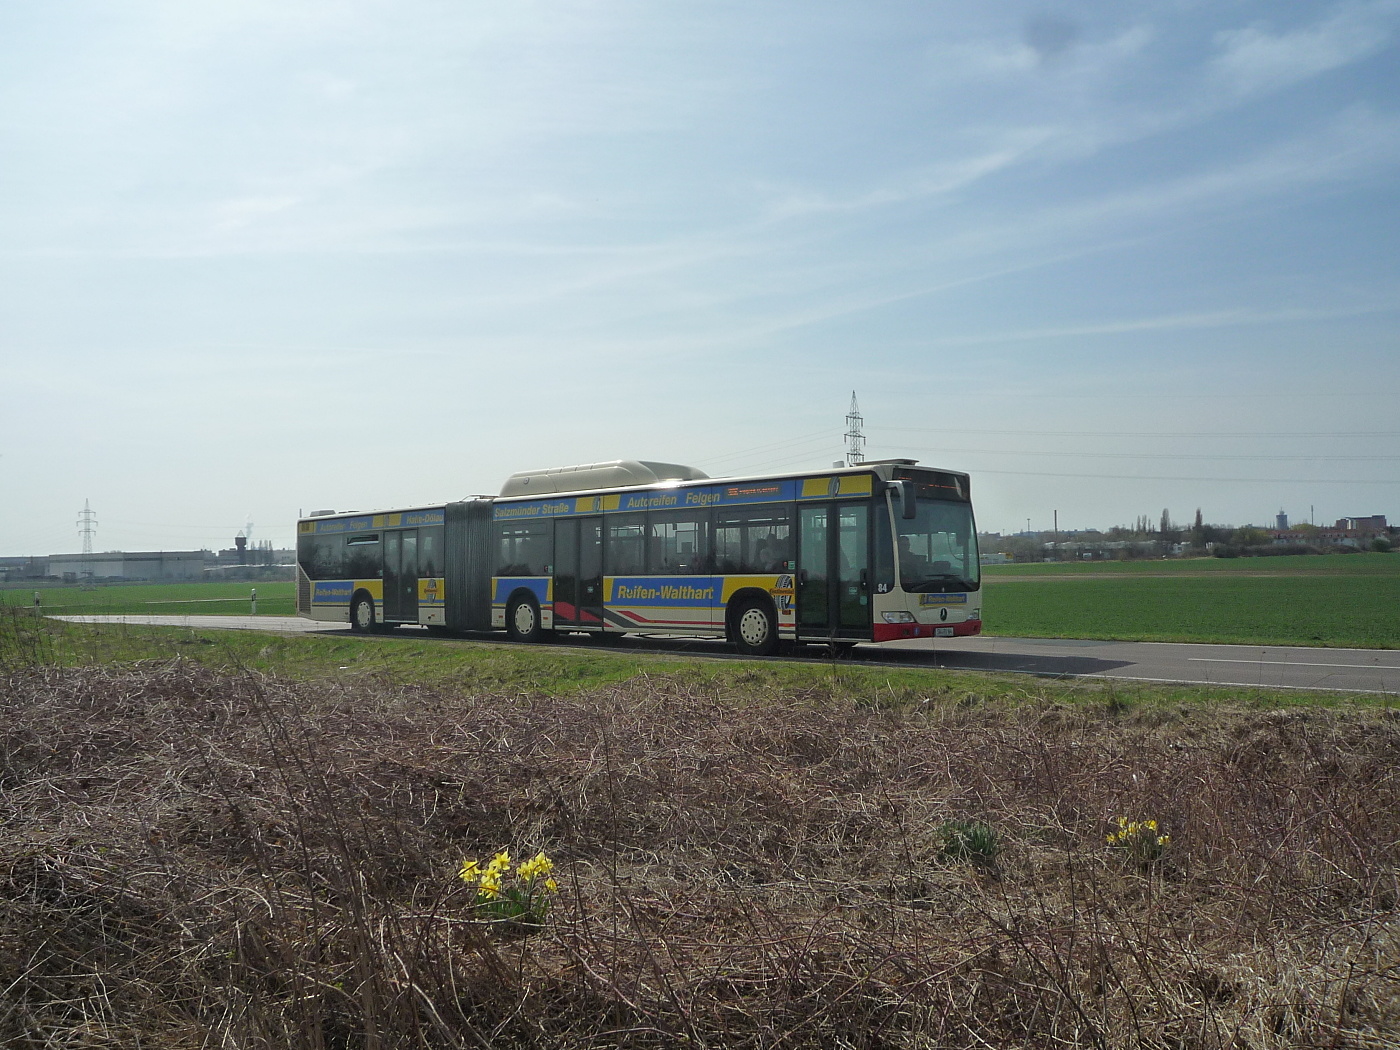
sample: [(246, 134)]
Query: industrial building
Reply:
[(128, 565)]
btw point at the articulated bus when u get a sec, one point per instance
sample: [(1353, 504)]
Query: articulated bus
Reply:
[(881, 551)]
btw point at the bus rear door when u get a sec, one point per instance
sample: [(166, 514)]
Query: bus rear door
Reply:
[(401, 576)]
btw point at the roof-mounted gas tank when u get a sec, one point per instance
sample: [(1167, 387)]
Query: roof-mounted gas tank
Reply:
[(614, 474)]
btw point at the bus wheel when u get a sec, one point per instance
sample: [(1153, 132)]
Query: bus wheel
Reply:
[(523, 620), (755, 629), (362, 615)]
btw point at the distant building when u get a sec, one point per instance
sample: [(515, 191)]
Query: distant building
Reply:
[(1101, 550), (1373, 526), (23, 568), (128, 565), (1347, 532), (238, 557)]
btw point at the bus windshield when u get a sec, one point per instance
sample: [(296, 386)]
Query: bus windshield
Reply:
[(937, 550)]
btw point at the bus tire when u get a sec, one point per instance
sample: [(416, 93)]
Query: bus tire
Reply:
[(362, 618), (754, 627), (523, 619)]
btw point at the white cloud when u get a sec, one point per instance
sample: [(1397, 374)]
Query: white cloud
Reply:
[(236, 214), (1253, 60), (934, 180), (1175, 322), (1019, 58)]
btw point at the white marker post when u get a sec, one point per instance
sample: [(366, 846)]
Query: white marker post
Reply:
[(255, 601)]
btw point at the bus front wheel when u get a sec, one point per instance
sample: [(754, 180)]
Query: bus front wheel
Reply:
[(523, 620), (362, 615), (755, 629)]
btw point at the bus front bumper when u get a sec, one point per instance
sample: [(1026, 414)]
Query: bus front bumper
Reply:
[(894, 632)]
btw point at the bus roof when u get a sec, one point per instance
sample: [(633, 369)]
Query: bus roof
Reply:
[(633, 473)]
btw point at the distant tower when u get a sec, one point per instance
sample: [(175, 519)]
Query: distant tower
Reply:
[(87, 526), (855, 440), (241, 542), (1281, 521)]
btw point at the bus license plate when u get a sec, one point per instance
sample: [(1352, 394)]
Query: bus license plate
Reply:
[(943, 632)]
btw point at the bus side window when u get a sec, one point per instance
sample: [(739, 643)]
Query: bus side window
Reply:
[(363, 560), (778, 553), (754, 539), (729, 545), (625, 551), (328, 557), (677, 543), (430, 552), (524, 548)]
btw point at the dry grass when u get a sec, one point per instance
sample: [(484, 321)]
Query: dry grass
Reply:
[(197, 859)]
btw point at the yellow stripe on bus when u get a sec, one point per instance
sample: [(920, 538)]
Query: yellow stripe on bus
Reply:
[(855, 485), (845, 485)]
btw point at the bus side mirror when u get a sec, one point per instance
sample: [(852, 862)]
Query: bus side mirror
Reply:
[(908, 509)]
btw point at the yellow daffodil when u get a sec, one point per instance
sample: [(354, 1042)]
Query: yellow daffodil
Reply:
[(536, 866)]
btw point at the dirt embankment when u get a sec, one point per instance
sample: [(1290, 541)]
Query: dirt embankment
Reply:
[(193, 859)]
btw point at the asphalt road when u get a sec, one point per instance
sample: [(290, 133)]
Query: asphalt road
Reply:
[(1274, 667)]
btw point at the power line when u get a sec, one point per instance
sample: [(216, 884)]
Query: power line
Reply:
[(1151, 477), (1176, 434), (1148, 455), (176, 526), (749, 450)]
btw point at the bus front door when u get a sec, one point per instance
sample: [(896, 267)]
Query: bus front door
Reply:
[(401, 576), (833, 571), (578, 572)]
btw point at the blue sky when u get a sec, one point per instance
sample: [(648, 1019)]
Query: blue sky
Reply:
[(258, 258)]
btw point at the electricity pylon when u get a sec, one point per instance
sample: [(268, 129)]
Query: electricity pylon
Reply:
[(855, 440)]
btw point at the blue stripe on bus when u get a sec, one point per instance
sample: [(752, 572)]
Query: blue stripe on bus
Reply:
[(505, 586), (698, 497), (332, 592), (398, 519), (669, 591)]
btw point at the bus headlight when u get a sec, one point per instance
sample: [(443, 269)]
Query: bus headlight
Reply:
[(975, 614), (898, 617)]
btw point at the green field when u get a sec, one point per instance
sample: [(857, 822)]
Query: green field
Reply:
[(1333, 600), (1336, 600), (1361, 564), (275, 598)]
